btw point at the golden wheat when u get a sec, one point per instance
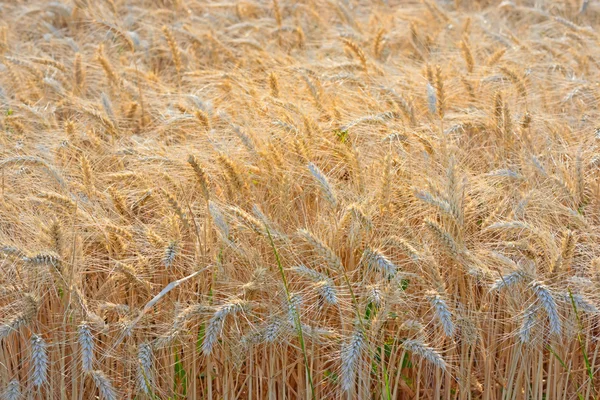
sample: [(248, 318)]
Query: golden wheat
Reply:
[(279, 199)]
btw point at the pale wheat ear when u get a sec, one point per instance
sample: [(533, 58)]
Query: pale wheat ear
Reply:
[(324, 184), (86, 343), (39, 359), (145, 375), (104, 385), (12, 390), (426, 352), (351, 357), (217, 321)]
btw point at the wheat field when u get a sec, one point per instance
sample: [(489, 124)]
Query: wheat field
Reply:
[(299, 199)]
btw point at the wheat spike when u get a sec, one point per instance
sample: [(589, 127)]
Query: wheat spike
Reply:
[(12, 391), (351, 354), (324, 184), (104, 385), (144, 375), (86, 343), (217, 321), (39, 358)]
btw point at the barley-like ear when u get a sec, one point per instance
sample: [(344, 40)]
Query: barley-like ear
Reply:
[(582, 304), (309, 273), (200, 175), (86, 171), (445, 238), (507, 126), (219, 219), (32, 161), (376, 259), (526, 121), (431, 99), (272, 330), (118, 33), (108, 109), (203, 118), (144, 375), (516, 80), (39, 359), (60, 200), (118, 201), (293, 304), (107, 67), (170, 253), (104, 385), (274, 84), (12, 391), (176, 207), (440, 92), (45, 258), (175, 53), (327, 291), (351, 357), (356, 49), (469, 87), (429, 75), (405, 246), (508, 280), (547, 301), (217, 321), (248, 220), (442, 312), (233, 173), (528, 323), (495, 57), (30, 309), (442, 205), (580, 187), (324, 184), (378, 43), (79, 73), (314, 91), (422, 350), (324, 251), (375, 296), (467, 55), (86, 343), (498, 111), (277, 13), (567, 249)]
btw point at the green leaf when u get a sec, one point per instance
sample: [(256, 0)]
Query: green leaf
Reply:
[(370, 311), (342, 135), (404, 284)]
